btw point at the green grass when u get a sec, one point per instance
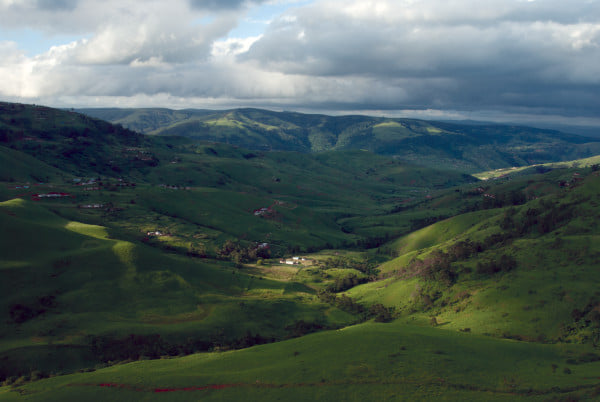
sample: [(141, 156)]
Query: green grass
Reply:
[(74, 278), (369, 361), (555, 274), (19, 168), (465, 148), (110, 287), (578, 163)]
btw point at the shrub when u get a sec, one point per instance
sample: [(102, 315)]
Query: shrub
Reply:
[(381, 313), (506, 263)]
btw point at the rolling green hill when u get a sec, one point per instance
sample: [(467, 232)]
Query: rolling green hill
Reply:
[(364, 362), (523, 272), (462, 147), (69, 287), (141, 267)]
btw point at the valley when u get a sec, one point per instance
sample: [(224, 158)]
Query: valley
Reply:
[(168, 264)]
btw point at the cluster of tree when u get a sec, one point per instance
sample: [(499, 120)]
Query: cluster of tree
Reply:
[(499, 200), (381, 313), (342, 302), (364, 265), (134, 346), (584, 325), (301, 327), (377, 311), (587, 322), (437, 266), (547, 218), (239, 254), (346, 282), (463, 250)]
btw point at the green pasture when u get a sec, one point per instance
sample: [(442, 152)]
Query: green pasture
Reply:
[(364, 362)]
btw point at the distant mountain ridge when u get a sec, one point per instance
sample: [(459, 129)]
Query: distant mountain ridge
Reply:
[(463, 147)]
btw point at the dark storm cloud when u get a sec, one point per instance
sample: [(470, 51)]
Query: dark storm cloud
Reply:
[(505, 56), (501, 54)]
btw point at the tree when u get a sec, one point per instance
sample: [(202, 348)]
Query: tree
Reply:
[(381, 313)]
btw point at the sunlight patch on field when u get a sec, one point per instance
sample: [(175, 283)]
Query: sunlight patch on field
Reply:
[(88, 230), (15, 202), (124, 251)]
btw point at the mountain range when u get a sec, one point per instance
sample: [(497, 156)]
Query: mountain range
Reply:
[(465, 147)]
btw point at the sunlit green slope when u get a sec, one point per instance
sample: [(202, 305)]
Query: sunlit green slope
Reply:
[(525, 272)]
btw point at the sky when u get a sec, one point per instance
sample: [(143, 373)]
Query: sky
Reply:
[(497, 60)]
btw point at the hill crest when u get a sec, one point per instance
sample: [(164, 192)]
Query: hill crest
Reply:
[(464, 147)]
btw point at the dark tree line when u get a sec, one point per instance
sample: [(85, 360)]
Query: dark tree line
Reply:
[(363, 265), (347, 282), (135, 346), (546, 218), (239, 254), (378, 312)]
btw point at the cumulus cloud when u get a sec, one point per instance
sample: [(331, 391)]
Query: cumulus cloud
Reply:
[(511, 56)]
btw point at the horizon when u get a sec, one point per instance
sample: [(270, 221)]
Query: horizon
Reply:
[(522, 62)]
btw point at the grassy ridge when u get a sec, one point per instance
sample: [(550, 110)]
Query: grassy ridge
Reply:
[(585, 162), (440, 145)]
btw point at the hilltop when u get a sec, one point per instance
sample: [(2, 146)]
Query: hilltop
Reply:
[(463, 147)]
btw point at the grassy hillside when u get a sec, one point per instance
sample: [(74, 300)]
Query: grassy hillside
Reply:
[(18, 166), (123, 254), (71, 287), (524, 272), (460, 147), (145, 184), (364, 362), (71, 142), (497, 173), (159, 249)]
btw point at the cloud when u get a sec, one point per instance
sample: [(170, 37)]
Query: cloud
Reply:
[(458, 54), (56, 4), (510, 56), (223, 4)]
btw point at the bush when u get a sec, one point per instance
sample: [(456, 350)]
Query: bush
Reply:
[(381, 313), (505, 263), (346, 283)]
